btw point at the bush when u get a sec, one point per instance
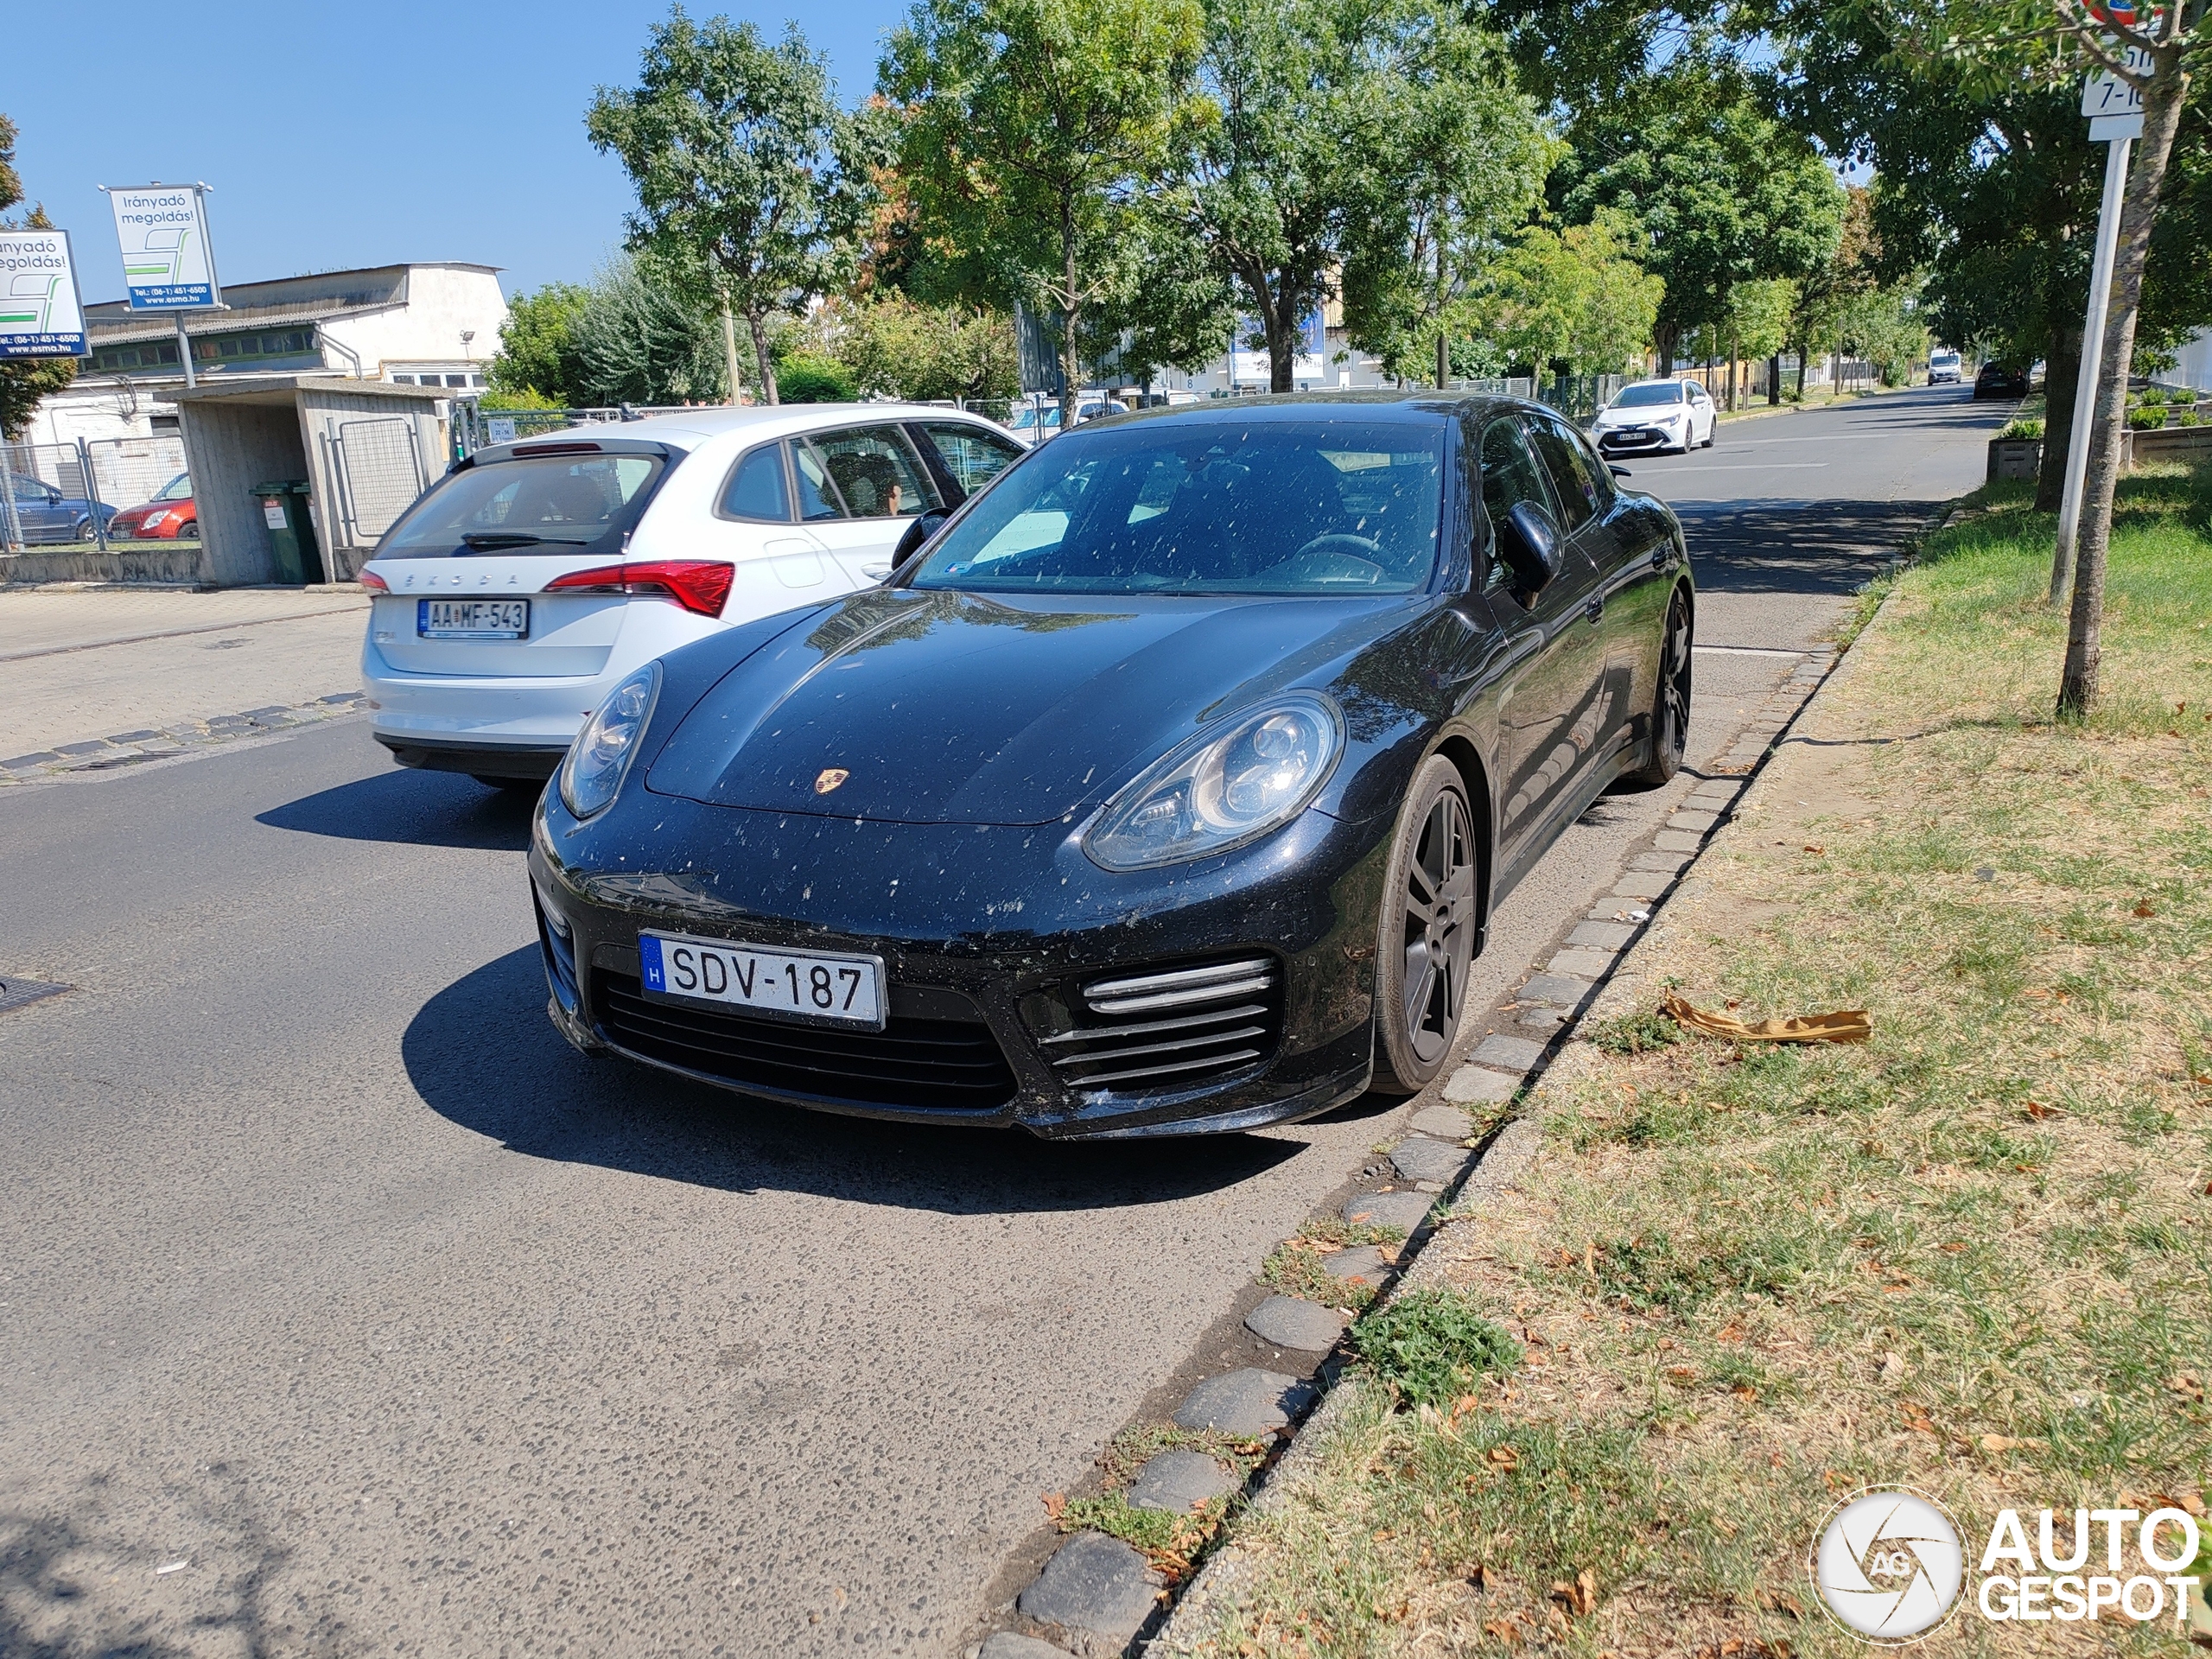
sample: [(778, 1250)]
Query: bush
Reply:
[(815, 380), (2186, 417), (2150, 396), (2146, 420), (525, 398), (1431, 1347), (2030, 428)]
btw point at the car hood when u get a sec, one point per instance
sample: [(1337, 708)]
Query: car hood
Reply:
[(948, 707), (1642, 417)]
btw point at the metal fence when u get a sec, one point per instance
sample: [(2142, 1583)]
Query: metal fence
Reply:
[(380, 471), (61, 496)]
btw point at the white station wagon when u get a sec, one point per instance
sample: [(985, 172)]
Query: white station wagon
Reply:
[(537, 576)]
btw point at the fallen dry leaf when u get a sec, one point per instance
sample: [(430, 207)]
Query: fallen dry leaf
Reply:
[(1815, 846), (2038, 1111), (1056, 1505), (2005, 1443), (1891, 1368), (2144, 909), (1845, 1026), (1505, 1458)]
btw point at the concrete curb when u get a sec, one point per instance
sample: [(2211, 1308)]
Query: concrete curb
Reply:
[(103, 754)]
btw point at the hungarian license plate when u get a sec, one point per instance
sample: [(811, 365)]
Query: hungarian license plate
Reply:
[(792, 984), (472, 619)]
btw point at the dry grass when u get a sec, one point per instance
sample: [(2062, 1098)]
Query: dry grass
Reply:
[(1972, 1254)]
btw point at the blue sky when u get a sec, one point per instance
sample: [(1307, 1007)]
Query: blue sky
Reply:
[(338, 136)]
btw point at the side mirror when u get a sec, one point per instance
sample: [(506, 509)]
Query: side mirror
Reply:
[(1617, 471), (920, 530), (1529, 540)]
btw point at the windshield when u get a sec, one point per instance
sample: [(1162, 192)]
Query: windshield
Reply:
[(1213, 507), (1026, 418), (1646, 396), (564, 504), (177, 489)]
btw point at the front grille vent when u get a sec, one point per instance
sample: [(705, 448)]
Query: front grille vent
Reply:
[(931, 1065), (1172, 1027)]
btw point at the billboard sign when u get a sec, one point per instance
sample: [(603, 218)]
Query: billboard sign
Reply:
[(41, 313), (166, 263), (1249, 367)]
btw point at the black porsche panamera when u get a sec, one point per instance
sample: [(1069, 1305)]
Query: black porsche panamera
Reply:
[(1167, 788)]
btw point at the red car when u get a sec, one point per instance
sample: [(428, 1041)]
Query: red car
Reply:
[(168, 515)]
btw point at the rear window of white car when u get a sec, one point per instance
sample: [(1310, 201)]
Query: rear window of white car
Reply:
[(1648, 397), (549, 503)]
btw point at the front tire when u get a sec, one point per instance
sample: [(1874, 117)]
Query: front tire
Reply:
[(1671, 708), (1428, 928)]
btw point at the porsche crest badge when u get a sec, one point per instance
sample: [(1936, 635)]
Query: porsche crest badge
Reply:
[(829, 777)]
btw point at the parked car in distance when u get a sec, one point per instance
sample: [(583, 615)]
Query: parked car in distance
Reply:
[(170, 514), (1167, 789), (44, 514), (2000, 380), (1651, 416), (1943, 368), (1030, 421), (537, 575)]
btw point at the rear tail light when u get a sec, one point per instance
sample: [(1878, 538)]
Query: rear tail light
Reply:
[(373, 582), (700, 585)]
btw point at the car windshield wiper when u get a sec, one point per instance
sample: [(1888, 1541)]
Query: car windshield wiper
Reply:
[(484, 540)]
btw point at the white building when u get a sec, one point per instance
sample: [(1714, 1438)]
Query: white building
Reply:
[(433, 325)]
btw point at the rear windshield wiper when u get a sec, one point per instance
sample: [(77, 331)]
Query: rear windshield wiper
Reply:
[(486, 540)]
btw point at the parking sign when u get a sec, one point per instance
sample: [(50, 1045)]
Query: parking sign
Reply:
[(42, 314), (166, 263)]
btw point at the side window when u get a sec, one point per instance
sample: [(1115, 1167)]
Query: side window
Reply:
[(876, 473), (817, 495), (1579, 499), (756, 488), (1510, 476), (972, 456)]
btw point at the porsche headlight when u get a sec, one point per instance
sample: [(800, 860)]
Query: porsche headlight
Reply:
[(1224, 788), (600, 756)]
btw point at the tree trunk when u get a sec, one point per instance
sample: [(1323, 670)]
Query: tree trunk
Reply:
[(2162, 108), (1774, 381), (1282, 339), (729, 352), (1735, 355), (756, 320), (1804, 351), (2062, 378), (1071, 313)]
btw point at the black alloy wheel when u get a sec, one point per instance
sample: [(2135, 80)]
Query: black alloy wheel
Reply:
[(1671, 708), (1428, 931)]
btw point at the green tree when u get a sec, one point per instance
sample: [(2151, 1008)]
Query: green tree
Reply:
[(1454, 165), (1574, 300), (745, 168), (646, 336), (899, 347), (24, 383), (1722, 193), (1027, 129), (537, 343)]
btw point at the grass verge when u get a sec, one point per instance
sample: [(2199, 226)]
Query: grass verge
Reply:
[(1972, 1253)]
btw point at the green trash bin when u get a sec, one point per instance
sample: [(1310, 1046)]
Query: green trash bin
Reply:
[(283, 505)]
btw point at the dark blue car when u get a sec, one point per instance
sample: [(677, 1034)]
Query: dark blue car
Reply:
[(44, 514)]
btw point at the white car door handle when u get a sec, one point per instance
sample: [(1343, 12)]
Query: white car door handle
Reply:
[(876, 572)]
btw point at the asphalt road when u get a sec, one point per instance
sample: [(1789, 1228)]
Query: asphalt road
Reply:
[(346, 1310)]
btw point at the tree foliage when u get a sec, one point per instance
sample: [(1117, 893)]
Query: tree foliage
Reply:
[(538, 345), (892, 346), (1574, 299), (646, 336), (1722, 193), (1027, 129), (24, 383), (745, 168)]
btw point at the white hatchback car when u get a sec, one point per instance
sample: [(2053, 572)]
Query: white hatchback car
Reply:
[(534, 577), (1650, 415)]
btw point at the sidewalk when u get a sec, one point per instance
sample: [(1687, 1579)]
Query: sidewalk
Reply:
[(1720, 1285), (162, 667)]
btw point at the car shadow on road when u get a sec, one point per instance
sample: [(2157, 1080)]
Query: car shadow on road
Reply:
[(482, 1053), (421, 809), (1832, 548)]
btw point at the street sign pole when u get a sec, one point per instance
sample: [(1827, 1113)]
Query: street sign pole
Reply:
[(2115, 112)]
